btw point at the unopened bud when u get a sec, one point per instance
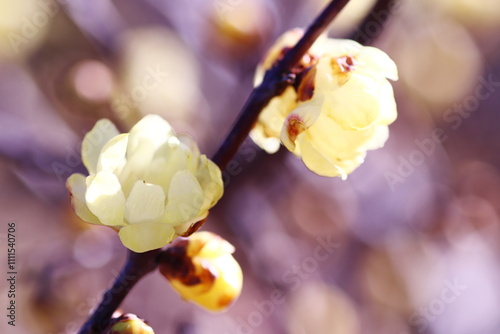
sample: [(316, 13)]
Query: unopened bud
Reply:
[(129, 324), (202, 269)]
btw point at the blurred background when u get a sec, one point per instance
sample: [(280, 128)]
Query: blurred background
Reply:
[(408, 244)]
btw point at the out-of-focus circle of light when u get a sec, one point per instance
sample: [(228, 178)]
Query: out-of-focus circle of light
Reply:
[(93, 80)]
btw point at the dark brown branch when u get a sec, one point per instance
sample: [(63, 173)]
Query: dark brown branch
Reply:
[(137, 266)]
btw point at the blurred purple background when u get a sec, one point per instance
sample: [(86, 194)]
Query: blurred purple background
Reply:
[(408, 244)]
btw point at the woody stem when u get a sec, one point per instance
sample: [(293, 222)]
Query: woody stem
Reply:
[(137, 266)]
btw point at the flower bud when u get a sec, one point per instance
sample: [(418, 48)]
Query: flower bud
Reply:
[(148, 184), (202, 269), (129, 324), (339, 106)]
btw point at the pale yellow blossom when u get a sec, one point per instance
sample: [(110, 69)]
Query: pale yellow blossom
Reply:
[(149, 184), (339, 108)]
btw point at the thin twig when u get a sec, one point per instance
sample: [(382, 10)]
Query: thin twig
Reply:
[(137, 266)]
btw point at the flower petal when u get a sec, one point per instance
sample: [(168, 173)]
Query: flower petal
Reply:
[(317, 162), (388, 108), (144, 237), (77, 188), (94, 141), (356, 104), (188, 228), (326, 80), (113, 153), (377, 63), (210, 178), (136, 166), (334, 141), (189, 145), (169, 159), (214, 246), (378, 139), (185, 198), (146, 203), (300, 120), (269, 144), (152, 129), (105, 198), (268, 127)]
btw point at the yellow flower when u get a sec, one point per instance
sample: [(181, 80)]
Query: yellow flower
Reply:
[(202, 269), (149, 184), (338, 109)]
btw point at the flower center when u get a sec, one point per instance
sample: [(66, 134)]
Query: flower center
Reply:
[(295, 126), (346, 64), (343, 67)]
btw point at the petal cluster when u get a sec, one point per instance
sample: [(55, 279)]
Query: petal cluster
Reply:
[(203, 270), (339, 107), (149, 184)]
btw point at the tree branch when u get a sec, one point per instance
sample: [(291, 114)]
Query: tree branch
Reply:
[(137, 266)]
